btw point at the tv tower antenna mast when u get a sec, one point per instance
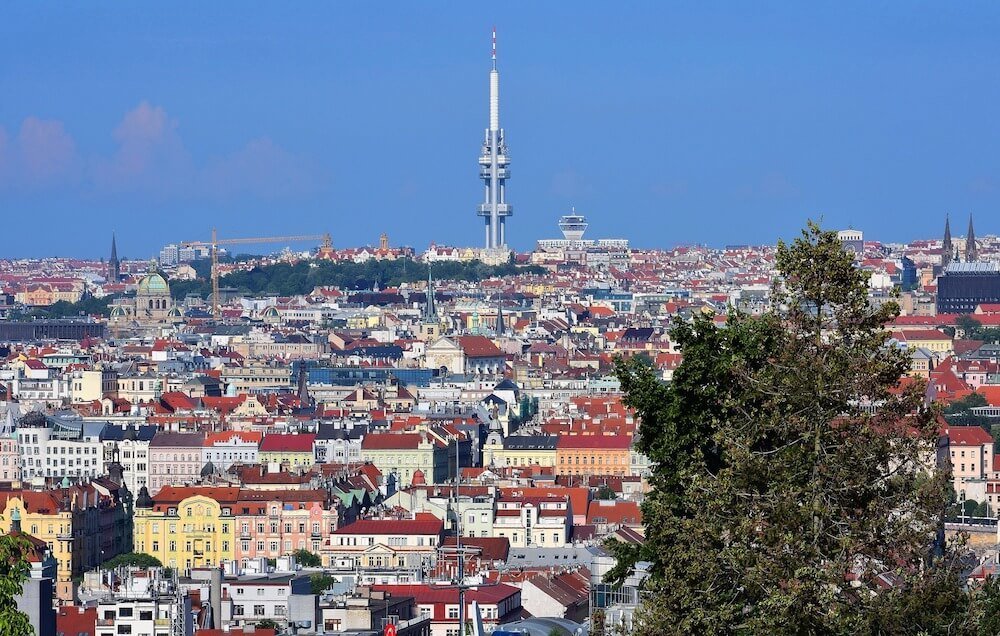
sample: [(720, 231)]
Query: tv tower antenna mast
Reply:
[(494, 166)]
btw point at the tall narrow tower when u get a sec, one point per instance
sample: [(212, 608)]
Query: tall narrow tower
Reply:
[(947, 250), (971, 253), (114, 267), (493, 167)]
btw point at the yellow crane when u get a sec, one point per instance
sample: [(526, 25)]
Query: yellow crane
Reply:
[(214, 244)]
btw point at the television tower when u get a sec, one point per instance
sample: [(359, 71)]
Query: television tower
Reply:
[(493, 167)]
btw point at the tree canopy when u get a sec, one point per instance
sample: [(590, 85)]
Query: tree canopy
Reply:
[(14, 570), (285, 279), (320, 582), (972, 329), (791, 469), (132, 559), (307, 559)]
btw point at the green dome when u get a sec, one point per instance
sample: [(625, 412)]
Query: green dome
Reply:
[(153, 285)]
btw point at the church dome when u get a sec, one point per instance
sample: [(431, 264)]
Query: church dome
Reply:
[(418, 478), (153, 284), (143, 500)]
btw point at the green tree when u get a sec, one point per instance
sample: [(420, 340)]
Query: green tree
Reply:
[(963, 405), (969, 326), (14, 570), (132, 559), (307, 559), (605, 492), (774, 480), (266, 623), (321, 582)]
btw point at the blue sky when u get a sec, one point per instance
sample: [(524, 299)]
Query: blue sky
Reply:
[(664, 123)]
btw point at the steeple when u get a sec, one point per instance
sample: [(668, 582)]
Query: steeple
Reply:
[(947, 249), (500, 326), (971, 253), (430, 311), (114, 268), (303, 386)]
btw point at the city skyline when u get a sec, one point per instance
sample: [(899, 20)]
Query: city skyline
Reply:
[(282, 125)]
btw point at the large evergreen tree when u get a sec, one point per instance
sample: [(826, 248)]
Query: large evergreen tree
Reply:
[(792, 469)]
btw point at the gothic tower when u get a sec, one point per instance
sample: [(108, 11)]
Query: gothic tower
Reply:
[(971, 253), (114, 267), (947, 249)]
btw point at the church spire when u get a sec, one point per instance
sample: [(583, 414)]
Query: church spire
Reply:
[(971, 253), (947, 249), (501, 328), (430, 311), (114, 268)]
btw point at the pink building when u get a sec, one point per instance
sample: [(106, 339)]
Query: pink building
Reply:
[(175, 459), (10, 459), (272, 523)]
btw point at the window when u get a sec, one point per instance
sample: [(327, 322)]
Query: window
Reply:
[(453, 612), (258, 610)]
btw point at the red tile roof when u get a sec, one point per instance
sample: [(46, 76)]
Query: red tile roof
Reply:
[(391, 441), (478, 347), (614, 512), (288, 443), (609, 442), (421, 524), (228, 437), (73, 620), (968, 436)]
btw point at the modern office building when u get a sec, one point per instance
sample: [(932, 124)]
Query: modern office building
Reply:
[(964, 286)]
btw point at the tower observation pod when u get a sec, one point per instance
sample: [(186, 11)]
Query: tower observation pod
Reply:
[(494, 167)]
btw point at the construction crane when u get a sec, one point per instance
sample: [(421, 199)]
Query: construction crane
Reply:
[(214, 244)]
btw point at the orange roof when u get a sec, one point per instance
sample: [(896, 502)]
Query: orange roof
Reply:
[(228, 437), (968, 436)]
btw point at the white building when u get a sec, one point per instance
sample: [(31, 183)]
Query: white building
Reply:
[(58, 448), (145, 603), (231, 447), (129, 446)]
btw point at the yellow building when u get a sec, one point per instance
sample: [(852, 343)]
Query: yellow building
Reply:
[(520, 451), (294, 449), (186, 527), (930, 339), (84, 526)]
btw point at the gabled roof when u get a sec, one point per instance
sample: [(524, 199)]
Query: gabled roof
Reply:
[(478, 347), (389, 441), (421, 524), (288, 442), (968, 436)]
